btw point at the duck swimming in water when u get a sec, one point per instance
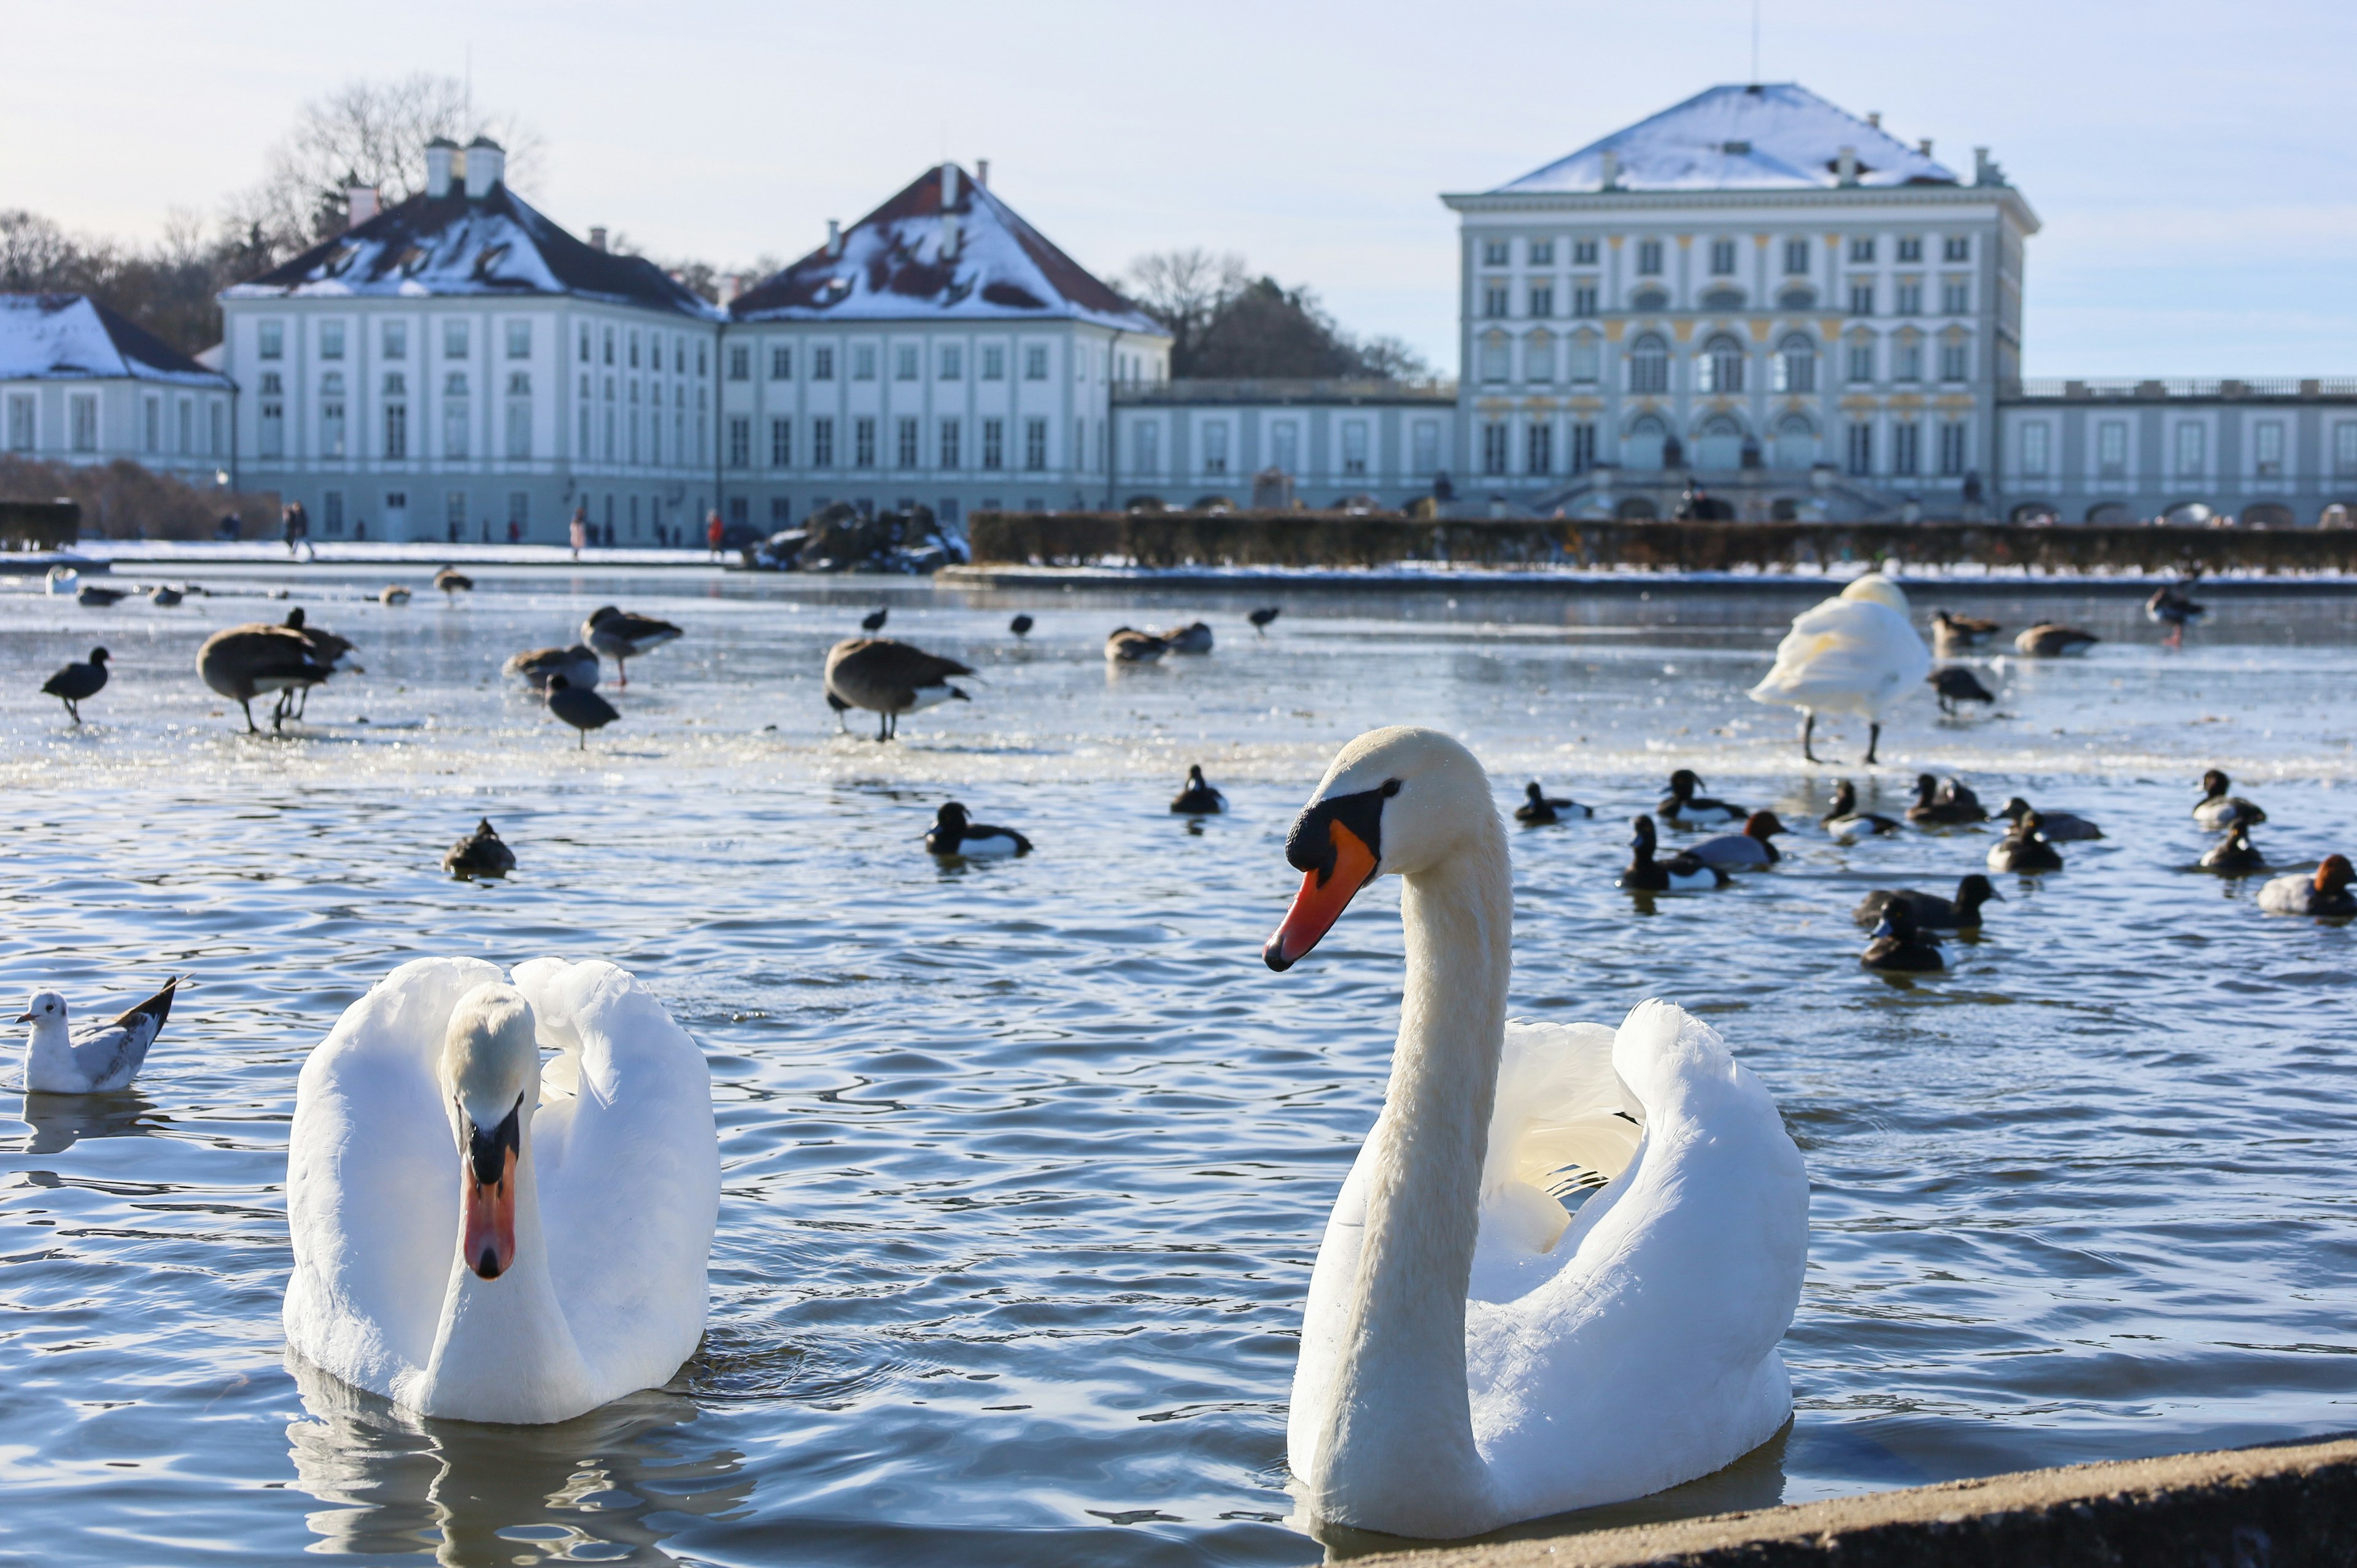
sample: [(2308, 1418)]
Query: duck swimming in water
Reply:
[(1685, 872), (1944, 803), (1928, 910), (955, 832), (1897, 948), (2326, 893), (1744, 851), (1198, 798), (2025, 848), (1846, 821), (1540, 810), (2234, 856), (2060, 827), (480, 853), (1684, 809), (2218, 810)]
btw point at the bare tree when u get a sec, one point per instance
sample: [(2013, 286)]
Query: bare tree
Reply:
[(372, 133), (1392, 359), (1185, 291)]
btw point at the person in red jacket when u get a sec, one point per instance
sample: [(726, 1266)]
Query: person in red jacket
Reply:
[(712, 532)]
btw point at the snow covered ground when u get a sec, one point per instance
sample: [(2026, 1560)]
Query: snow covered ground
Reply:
[(271, 552)]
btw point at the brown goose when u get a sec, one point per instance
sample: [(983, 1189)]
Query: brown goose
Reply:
[(1194, 637), (622, 636), (1129, 646), (888, 679), (1952, 634), (453, 582), (329, 649), (585, 711), (577, 664), (245, 661), (2049, 640)]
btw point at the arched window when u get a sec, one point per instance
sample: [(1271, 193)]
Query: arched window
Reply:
[(1585, 363), (1497, 358), (1719, 443), (1642, 447), (1796, 442), (1648, 364), (1721, 364), (1723, 298), (1538, 357), (1650, 299), (1797, 297), (1796, 364)]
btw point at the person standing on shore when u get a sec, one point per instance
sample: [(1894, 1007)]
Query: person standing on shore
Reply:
[(712, 533), (580, 528)]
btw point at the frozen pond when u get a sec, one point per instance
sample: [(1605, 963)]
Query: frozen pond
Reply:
[(1026, 1163)]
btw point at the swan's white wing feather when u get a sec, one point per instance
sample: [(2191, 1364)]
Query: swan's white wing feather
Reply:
[(628, 1162), (1847, 656), (373, 1179)]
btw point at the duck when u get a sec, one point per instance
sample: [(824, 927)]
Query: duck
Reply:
[(583, 709), (1943, 803), (1854, 653), (1752, 847), (482, 1237), (390, 595), (1460, 1327), (480, 853), (333, 651), (76, 683), (453, 582), (242, 662), (163, 597), (953, 832), (2173, 608), (1129, 646), (1952, 634), (2048, 639), (1194, 637), (1846, 821), (2326, 893), (1540, 810), (888, 679), (1020, 626), (94, 597), (2218, 810), (873, 623), (2025, 848), (621, 637), (2234, 856), (1263, 615), (577, 664), (2059, 827), (96, 1057), (1953, 684), (1897, 948), (1198, 798), (1685, 872), (1928, 910), (1683, 808)]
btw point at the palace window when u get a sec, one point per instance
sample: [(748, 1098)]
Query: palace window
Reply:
[(740, 441), (1722, 258), (1861, 297), (2344, 450), (1583, 448), (993, 362), (1496, 253), (953, 362), (1956, 248), (1496, 301), (1648, 364), (1542, 300), (1035, 363), (2268, 448), (904, 363), (1956, 297), (782, 362), (1146, 448), (821, 442), (823, 364), (519, 339), (862, 361), (994, 443), (1906, 448), (1497, 358), (1861, 249), (1910, 248), (1035, 445), (1493, 447), (1796, 365), (863, 441), (904, 445), (781, 443), (1583, 252), (1908, 297), (2192, 450), (950, 432), (1424, 444), (1583, 298), (455, 337), (1951, 449), (1649, 258), (272, 339), (1861, 361), (1721, 365), (1955, 362), (740, 362), (1538, 448), (1907, 362), (1354, 444), (2035, 450), (331, 340), (1538, 358), (1585, 361), (1215, 448), (1542, 252), (1796, 258), (1860, 448), (396, 339)]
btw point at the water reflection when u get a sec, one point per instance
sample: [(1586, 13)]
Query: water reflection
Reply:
[(57, 1122), (611, 1486)]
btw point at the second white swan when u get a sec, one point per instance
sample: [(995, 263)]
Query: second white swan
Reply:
[(1470, 1355)]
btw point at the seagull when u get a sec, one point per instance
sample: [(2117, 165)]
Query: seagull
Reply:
[(1198, 798), (577, 664), (480, 853), (622, 636), (1020, 626), (392, 594), (95, 1058), (1262, 616), (76, 683), (1955, 684), (453, 582), (329, 649), (94, 597), (583, 709), (243, 661), (888, 679), (872, 624)]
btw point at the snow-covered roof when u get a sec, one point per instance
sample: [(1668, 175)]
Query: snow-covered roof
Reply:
[(496, 246), (71, 337), (1762, 137), (895, 264)]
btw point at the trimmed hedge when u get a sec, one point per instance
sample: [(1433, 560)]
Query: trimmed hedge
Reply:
[(1337, 541)]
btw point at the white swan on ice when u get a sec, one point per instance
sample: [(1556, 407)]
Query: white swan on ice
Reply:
[(478, 1238), (1854, 653), (1467, 1358)]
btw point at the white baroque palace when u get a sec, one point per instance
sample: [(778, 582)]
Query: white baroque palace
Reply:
[(81, 386)]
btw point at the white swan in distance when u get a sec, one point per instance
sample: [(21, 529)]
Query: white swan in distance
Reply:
[(478, 1238), (1469, 1358), (1854, 653)]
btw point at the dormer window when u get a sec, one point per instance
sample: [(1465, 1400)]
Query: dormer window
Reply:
[(834, 291), (488, 262)]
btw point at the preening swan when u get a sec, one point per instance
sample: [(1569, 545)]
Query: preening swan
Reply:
[(478, 1239), (1855, 653), (1470, 1357)]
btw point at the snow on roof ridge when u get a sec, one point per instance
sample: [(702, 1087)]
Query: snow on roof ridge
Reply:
[(1738, 136), (57, 336)]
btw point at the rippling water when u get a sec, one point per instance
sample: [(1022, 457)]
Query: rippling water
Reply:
[(1026, 1163)]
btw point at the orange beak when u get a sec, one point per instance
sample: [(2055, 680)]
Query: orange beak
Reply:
[(1324, 896), (490, 1211)]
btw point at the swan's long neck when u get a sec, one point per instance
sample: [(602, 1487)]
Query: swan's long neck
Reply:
[(503, 1347), (1401, 1426)]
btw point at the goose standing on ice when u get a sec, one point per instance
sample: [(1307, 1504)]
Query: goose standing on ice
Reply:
[(1020, 626), (1470, 1355), (2176, 609), (1855, 653), (334, 653), (242, 662), (888, 679), (583, 709), (95, 1058), (1261, 618), (873, 622), (1955, 634), (75, 685), (622, 636), (482, 1237), (1953, 684), (577, 664), (453, 582)]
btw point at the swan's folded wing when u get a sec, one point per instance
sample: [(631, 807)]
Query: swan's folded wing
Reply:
[(1562, 1120), (1845, 653), (629, 1168), (373, 1179)]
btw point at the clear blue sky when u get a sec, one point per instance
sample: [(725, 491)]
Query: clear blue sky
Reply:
[(2189, 161)]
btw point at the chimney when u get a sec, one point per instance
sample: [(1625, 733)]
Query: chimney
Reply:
[(1924, 147), (834, 236), (1983, 168), (982, 173), (598, 237), (1873, 118), (731, 285), (438, 153), (1846, 164), (360, 204), (486, 165), (949, 188), (1612, 170)]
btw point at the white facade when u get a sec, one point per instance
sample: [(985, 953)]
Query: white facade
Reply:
[(79, 386), (460, 367), (1746, 288), (1193, 443)]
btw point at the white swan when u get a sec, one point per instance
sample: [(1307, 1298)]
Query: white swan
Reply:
[(1467, 1358), (1854, 653), (479, 1239)]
